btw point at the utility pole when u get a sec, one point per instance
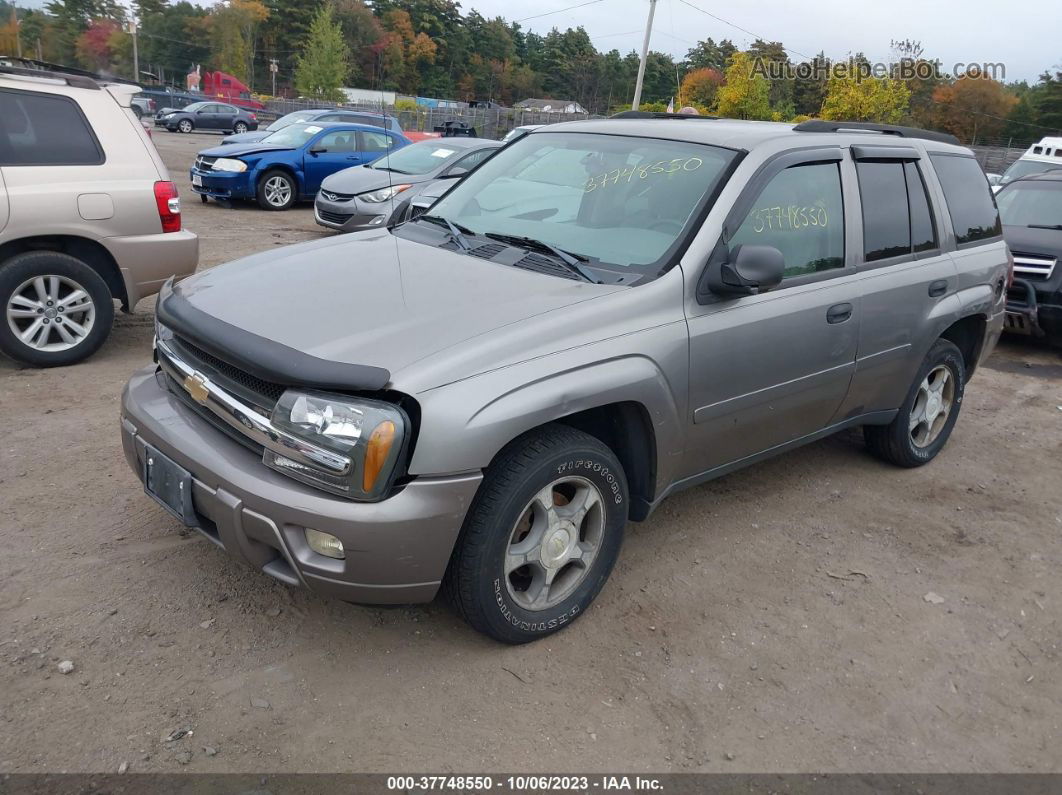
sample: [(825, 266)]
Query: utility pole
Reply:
[(645, 54), (274, 67), (136, 53), (18, 30)]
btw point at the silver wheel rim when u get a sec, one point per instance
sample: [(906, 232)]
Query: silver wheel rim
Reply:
[(932, 406), (186, 126), (554, 543), (51, 313), (241, 128), (277, 191)]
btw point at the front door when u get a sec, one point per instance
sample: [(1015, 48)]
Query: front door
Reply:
[(328, 153), (772, 368)]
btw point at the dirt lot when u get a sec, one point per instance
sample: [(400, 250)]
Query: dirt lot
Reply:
[(774, 620)]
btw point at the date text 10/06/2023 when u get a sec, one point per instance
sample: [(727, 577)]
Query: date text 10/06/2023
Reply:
[(524, 783)]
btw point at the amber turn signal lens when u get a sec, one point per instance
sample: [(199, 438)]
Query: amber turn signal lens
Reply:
[(380, 442)]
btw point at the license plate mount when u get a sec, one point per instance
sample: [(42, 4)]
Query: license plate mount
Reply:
[(197, 180), (170, 485)]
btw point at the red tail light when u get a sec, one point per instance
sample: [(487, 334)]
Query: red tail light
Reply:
[(253, 117), (169, 206)]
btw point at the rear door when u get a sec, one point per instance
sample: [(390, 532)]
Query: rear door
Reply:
[(772, 368), (226, 116), (373, 145), (906, 274)]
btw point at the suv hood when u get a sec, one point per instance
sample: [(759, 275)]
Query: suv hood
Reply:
[(377, 300)]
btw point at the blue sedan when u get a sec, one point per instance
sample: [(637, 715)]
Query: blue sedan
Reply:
[(290, 164)]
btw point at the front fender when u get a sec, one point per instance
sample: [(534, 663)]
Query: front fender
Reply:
[(465, 424)]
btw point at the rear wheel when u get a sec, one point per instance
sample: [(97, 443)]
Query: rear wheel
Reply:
[(239, 127), (57, 310), (541, 537), (185, 126), (276, 190), (926, 418)]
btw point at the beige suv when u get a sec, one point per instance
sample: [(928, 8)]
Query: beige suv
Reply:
[(88, 214)]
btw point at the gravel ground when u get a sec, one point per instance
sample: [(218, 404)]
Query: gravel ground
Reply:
[(819, 612)]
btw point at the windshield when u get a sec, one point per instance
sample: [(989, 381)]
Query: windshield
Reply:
[(618, 200), (416, 159), (1023, 168), (1031, 203), (291, 118), (293, 135)]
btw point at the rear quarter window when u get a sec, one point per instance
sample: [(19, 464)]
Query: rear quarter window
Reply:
[(45, 130), (969, 198)]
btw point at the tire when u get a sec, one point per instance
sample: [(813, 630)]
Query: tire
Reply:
[(61, 337), (916, 435), (270, 192), (185, 126), (486, 583), (239, 127)]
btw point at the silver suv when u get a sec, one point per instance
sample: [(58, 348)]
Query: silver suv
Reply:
[(88, 214), (602, 314)]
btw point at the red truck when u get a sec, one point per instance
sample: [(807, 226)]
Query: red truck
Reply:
[(221, 85)]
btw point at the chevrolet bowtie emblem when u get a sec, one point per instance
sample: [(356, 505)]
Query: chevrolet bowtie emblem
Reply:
[(196, 386)]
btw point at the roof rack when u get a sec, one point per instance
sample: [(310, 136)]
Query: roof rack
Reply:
[(27, 67), (818, 125), (648, 114)]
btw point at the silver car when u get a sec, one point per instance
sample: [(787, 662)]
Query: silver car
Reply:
[(602, 314), (378, 193)]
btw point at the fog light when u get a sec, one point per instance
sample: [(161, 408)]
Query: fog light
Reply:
[(377, 220), (325, 544)]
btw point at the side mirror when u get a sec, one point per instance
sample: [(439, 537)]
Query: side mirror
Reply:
[(744, 270)]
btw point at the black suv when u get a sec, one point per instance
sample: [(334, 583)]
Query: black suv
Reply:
[(1031, 209)]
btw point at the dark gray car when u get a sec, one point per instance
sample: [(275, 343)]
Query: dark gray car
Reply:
[(209, 116), (376, 194), (602, 314)]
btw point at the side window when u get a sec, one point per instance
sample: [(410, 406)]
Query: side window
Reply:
[(886, 217), (969, 198), (228, 110), (343, 141), (331, 117), (923, 230), (469, 162), (801, 213), (375, 142), (45, 130)]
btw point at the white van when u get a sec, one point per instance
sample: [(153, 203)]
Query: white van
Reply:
[(1044, 156)]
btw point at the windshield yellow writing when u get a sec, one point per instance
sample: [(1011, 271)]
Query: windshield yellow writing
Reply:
[(645, 171)]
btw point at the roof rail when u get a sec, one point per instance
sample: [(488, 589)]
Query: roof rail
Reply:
[(649, 114), (27, 67), (818, 125)]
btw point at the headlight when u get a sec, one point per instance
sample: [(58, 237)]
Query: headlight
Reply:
[(369, 432), (229, 164), (169, 115), (383, 194)]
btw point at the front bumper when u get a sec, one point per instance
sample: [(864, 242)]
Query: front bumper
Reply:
[(1033, 313), (223, 184), (351, 216), (397, 549)]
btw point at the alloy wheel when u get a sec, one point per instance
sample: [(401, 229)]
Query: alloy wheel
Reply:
[(554, 543), (932, 405), (51, 313), (277, 191)]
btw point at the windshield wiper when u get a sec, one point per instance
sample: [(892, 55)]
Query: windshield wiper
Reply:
[(570, 260), (388, 168), (456, 232), (1045, 226)]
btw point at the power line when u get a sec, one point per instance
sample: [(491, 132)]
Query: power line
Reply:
[(738, 27), (559, 10)]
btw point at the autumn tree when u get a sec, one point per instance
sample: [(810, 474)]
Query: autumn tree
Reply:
[(974, 106), (322, 66), (700, 87), (853, 95), (233, 29), (94, 47), (745, 95), (362, 32)]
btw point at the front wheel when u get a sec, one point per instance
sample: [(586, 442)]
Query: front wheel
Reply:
[(541, 536), (276, 191), (239, 127), (57, 310), (926, 418), (185, 125)]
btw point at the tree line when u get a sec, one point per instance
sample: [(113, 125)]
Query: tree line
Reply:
[(430, 48)]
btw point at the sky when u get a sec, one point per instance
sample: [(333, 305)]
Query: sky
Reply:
[(1022, 35)]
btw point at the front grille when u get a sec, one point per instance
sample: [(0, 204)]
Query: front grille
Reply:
[(179, 392), (263, 393), (1036, 266), (331, 196), (205, 163), (543, 264), (333, 218)]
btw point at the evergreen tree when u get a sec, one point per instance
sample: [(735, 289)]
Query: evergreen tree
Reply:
[(322, 66)]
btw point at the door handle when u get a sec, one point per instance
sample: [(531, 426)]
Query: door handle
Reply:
[(838, 313), (938, 288)]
